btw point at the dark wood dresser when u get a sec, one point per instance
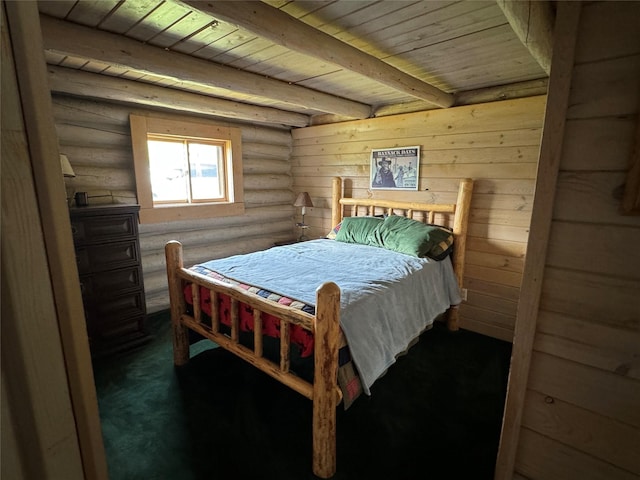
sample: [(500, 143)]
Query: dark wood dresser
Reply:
[(109, 265)]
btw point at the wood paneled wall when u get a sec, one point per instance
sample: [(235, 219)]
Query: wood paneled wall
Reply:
[(95, 136), (497, 144), (581, 415)]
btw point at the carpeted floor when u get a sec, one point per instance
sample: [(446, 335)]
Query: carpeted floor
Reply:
[(436, 414)]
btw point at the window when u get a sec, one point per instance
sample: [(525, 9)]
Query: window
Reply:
[(186, 169)]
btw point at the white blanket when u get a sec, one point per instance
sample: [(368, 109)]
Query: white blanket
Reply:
[(387, 298)]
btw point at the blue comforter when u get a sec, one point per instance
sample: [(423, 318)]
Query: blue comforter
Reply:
[(387, 298)]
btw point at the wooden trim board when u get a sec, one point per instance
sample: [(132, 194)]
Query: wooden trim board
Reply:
[(550, 153)]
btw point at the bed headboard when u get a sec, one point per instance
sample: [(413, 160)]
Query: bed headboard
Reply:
[(427, 212)]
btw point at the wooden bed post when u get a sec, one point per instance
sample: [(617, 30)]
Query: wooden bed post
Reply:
[(325, 398), (173, 256), (460, 226), (336, 208)]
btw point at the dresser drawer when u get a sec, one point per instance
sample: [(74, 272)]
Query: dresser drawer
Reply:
[(119, 308), (111, 283), (98, 258), (103, 228), (120, 317), (116, 331)]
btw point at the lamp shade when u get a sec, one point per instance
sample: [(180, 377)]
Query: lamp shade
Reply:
[(303, 200), (67, 171)]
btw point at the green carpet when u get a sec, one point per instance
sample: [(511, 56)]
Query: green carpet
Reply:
[(436, 414)]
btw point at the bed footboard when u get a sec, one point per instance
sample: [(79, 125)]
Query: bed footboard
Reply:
[(325, 326)]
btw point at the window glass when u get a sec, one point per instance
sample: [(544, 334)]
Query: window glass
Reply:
[(185, 171), (169, 170), (207, 171)]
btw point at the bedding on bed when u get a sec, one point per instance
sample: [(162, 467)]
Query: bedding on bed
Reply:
[(387, 298), (300, 337), (301, 356)]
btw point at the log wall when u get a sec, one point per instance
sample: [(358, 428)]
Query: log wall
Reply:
[(95, 136), (581, 415), (497, 144)]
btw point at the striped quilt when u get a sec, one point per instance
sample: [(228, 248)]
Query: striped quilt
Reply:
[(301, 339)]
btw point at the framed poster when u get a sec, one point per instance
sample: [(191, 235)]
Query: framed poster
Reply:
[(395, 168)]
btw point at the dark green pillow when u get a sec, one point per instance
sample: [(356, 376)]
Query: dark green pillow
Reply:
[(405, 235), (443, 242), (357, 229)]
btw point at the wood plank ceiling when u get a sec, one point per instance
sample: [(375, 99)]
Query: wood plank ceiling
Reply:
[(294, 63)]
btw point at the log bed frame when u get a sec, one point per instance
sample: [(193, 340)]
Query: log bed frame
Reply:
[(324, 391)]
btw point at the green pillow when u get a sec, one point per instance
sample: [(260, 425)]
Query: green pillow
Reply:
[(357, 229), (443, 242), (405, 235)]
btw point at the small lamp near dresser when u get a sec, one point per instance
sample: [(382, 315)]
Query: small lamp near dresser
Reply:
[(67, 170)]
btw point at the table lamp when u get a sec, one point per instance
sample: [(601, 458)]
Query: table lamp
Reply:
[(304, 201), (67, 171)]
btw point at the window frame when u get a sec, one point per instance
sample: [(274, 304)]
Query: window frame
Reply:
[(144, 125)]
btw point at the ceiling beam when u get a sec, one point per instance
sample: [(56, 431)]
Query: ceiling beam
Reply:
[(528, 88), (67, 38), (94, 85), (532, 22), (279, 27)]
